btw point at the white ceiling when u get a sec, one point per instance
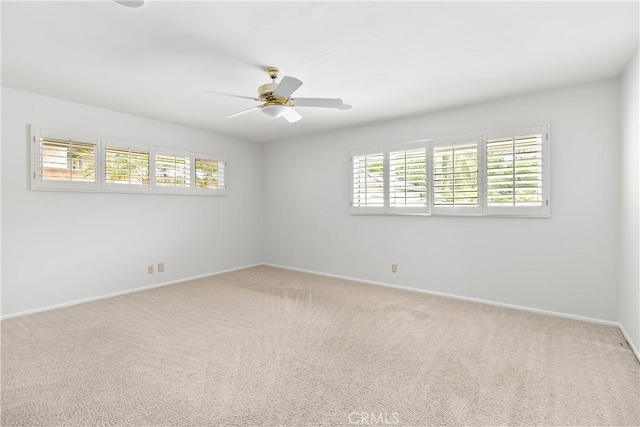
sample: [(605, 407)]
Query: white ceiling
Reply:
[(387, 59)]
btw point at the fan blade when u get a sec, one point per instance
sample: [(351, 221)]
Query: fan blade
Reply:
[(292, 116), (287, 86), (232, 95), (318, 102), (239, 113)]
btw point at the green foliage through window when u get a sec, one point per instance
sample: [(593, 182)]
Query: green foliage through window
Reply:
[(514, 171), (455, 175), (124, 166), (173, 171), (368, 180), (209, 173), (408, 178)]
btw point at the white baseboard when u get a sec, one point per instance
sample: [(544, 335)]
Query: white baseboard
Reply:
[(631, 344), (115, 294), (478, 300), (460, 297)]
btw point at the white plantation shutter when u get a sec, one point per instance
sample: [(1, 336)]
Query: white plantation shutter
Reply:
[(125, 167), (517, 172), (455, 172), (67, 161), (63, 161), (368, 180), (210, 174), (504, 172), (173, 170), (514, 171), (408, 178)]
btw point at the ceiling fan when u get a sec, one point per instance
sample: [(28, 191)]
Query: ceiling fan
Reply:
[(276, 99)]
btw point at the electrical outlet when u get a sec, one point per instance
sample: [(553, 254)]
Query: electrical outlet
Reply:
[(150, 269), (161, 267), (394, 268)]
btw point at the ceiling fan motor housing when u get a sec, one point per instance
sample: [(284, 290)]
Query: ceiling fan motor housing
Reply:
[(265, 93)]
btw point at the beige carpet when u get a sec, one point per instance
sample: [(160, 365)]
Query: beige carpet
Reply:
[(265, 347)]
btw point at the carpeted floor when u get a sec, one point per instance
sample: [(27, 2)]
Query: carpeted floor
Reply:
[(266, 347)]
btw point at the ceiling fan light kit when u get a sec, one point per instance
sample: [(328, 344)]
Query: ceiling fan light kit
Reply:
[(277, 100), (275, 110)]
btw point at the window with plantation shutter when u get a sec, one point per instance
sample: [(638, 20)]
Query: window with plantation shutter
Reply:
[(455, 173), (63, 161), (126, 169), (69, 161), (209, 174), (516, 175), (173, 171), (368, 181), (496, 173), (408, 178)]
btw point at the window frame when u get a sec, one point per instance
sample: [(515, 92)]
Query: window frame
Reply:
[(167, 189), (220, 191), (408, 146), (127, 146), (101, 144), (370, 210), (458, 210), (542, 211), (38, 134), (482, 209)]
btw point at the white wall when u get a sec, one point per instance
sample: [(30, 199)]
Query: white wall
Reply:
[(59, 247), (629, 213), (565, 264)]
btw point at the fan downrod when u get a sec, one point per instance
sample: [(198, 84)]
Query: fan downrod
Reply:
[(273, 72)]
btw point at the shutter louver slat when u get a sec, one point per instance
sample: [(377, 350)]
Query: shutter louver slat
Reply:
[(209, 174), (455, 171), (368, 179), (69, 161), (408, 178), (124, 166), (173, 171), (514, 171)]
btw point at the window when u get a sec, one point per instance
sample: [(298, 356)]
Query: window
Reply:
[(393, 180), (456, 175), (497, 173), (173, 171), (408, 178), (68, 161), (127, 169), (516, 183), (368, 181), (64, 161), (209, 173)]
